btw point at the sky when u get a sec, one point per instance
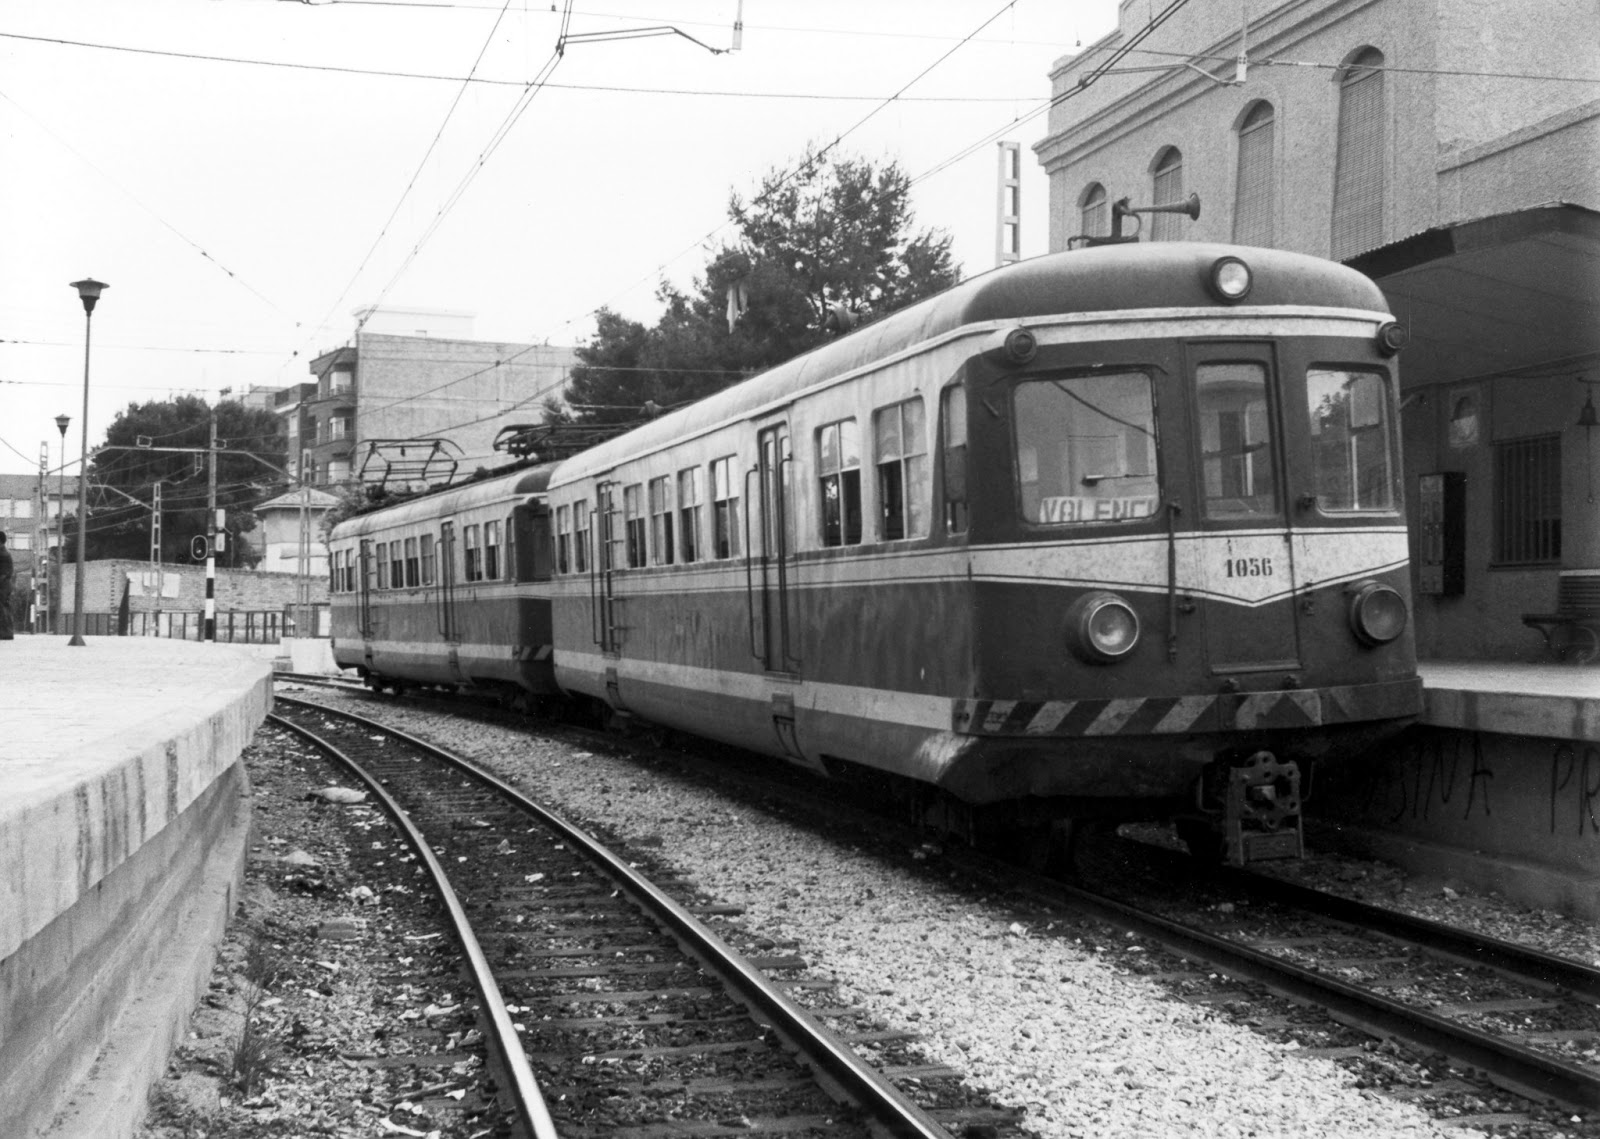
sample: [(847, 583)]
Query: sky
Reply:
[(235, 174)]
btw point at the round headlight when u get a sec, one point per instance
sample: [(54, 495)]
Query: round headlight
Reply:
[(1021, 346), (1230, 279), (1102, 627), (1377, 614), (1392, 336)]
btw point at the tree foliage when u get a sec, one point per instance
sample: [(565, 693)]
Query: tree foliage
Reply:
[(122, 476), (832, 235)]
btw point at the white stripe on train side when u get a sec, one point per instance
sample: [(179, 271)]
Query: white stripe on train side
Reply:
[(1267, 565)]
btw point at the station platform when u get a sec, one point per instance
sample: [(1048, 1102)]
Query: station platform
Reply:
[(1556, 701), (1497, 788), (124, 814)]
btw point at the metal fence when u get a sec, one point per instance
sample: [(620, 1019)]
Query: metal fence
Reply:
[(237, 626)]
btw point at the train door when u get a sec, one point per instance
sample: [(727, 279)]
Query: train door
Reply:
[(364, 571), (769, 579), (1246, 562), (769, 550), (445, 601), (607, 530)]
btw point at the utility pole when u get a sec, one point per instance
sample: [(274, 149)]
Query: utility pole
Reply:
[(41, 546), (211, 534)]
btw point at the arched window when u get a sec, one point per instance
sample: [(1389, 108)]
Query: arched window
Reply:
[(1252, 198), (1167, 191), (1358, 170), (1095, 211)]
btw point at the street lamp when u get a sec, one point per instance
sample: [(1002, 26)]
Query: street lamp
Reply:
[(89, 291), (61, 519)]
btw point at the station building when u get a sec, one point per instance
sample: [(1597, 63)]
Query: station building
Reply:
[(1450, 149)]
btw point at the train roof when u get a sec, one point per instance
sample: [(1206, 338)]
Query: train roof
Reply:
[(451, 500), (1109, 278)]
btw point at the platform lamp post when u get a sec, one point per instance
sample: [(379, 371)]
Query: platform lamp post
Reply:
[(61, 519), (89, 291)]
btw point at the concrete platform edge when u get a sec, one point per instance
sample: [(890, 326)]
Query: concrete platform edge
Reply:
[(112, 1098)]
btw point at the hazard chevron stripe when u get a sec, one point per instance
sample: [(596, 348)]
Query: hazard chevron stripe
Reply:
[(1177, 715)]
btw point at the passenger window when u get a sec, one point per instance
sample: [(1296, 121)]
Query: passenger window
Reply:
[(563, 539), (397, 565), (580, 536), (660, 522), (411, 563), (471, 565), (491, 551), (839, 471), (901, 454), (1086, 448), (954, 402), (725, 509), (428, 562), (633, 516), (380, 554), (1237, 461), (1352, 445), (691, 486)]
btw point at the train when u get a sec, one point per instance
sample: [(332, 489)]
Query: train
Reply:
[(1114, 533)]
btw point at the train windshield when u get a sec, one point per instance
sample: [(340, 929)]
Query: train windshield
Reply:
[(1086, 448), (1237, 461), (1352, 439)]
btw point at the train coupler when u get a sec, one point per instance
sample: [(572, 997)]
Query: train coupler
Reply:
[(1252, 809)]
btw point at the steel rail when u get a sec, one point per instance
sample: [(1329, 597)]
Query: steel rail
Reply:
[(834, 1062), (527, 1100), (1513, 1066), (1521, 961)]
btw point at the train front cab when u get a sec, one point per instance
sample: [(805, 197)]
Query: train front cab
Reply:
[(1189, 568)]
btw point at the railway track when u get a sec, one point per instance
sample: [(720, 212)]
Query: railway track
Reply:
[(609, 1005), (1521, 1018), (1527, 1020)]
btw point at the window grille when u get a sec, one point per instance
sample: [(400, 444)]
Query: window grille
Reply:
[(1527, 496), (1252, 199), (1358, 168), (1168, 191)]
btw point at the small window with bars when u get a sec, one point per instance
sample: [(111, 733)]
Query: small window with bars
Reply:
[(1527, 496), (1358, 162), (1095, 211), (1167, 190), (1252, 199)]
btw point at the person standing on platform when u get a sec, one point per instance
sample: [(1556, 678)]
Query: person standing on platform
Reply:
[(6, 572)]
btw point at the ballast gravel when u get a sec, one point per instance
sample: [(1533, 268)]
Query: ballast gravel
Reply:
[(1035, 1019)]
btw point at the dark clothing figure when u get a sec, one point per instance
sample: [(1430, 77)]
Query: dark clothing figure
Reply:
[(6, 572)]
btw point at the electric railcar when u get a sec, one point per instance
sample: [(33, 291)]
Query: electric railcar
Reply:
[(445, 589), (1109, 533)]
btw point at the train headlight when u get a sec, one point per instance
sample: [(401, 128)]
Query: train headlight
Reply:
[(1377, 613), (1230, 279), (1102, 627), (1392, 336)]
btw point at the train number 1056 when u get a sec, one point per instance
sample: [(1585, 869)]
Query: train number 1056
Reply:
[(1249, 567)]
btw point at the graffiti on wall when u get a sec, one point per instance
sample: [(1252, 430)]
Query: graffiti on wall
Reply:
[(1574, 783), (1441, 770)]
